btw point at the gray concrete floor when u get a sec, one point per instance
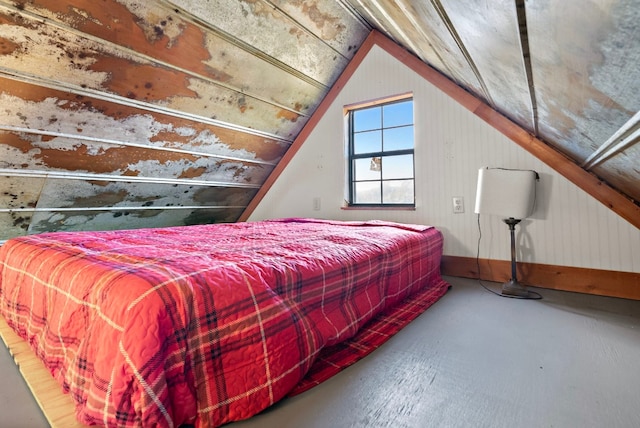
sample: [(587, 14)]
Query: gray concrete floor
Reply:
[(471, 360)]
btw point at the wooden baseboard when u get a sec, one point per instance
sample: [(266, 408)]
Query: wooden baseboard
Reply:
[(591, 281)]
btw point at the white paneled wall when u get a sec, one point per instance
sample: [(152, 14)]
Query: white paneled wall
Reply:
[(568, 228)]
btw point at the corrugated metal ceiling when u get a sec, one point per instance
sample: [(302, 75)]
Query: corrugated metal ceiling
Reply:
[(567, 71), (122, 113)]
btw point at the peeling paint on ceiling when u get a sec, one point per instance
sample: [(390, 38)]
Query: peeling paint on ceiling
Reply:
[(121, 113)]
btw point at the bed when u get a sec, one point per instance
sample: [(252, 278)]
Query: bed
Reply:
[(203, 325)]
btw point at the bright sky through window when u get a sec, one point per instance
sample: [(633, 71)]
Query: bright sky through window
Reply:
[(381, 154)]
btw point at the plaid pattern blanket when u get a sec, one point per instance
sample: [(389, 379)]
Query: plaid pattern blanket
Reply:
[(203, 324), (333, 359)]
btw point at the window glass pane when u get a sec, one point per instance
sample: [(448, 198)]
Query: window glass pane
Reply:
[(394, 167), (398, 138), (366, 169), (367, 193), (383, 176), (367, 142), (366, 119), (398, 114), (398, 192)]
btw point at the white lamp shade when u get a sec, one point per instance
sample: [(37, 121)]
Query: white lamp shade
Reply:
[(506, 192)]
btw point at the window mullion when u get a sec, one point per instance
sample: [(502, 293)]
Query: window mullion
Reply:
[(383, 154)]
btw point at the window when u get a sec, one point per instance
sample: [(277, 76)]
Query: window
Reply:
[(380, 151)]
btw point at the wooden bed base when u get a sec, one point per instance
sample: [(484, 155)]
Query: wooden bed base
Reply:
[(58, 407)]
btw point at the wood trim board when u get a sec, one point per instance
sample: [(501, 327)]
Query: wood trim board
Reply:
[(581, 280)]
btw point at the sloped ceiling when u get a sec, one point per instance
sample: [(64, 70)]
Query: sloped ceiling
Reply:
[(566, 71), (123, 113)]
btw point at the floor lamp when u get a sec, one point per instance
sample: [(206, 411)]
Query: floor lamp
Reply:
[(509, 193)]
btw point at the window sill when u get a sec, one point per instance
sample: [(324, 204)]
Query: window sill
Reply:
[(354, 208)]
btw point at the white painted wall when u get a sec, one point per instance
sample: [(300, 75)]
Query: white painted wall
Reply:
[(568, 228)]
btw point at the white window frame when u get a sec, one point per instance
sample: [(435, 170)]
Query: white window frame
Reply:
[(350, 156)]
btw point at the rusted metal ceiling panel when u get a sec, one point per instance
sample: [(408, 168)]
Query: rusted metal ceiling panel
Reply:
[(60, 113), (20, 192), (84, 63), (67, 193), (45, 153), (419, 43), (420, 27), (585, 57), (60, 203), (14, 224), (329, 21), (17, 193), (491, 35), (268, 30), (95, 220), (158, 31), (83, 205)]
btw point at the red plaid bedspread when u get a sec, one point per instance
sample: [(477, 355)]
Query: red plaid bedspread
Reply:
[(203, 324)]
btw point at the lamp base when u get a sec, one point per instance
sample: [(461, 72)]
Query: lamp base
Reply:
[(514, 288)]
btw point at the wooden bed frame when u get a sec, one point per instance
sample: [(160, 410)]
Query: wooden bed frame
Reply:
[(58, 407)]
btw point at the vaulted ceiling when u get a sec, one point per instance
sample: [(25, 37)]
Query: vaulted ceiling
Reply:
[(123, 113)]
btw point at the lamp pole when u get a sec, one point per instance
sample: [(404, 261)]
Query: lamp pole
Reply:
[(513, 287)]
